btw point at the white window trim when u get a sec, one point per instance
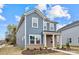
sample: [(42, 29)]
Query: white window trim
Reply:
[(78, 40), (35, 39), (44, 22), (50, 27), (33, 21)]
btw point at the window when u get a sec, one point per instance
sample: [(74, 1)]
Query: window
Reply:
[(78, 39), (34, 22), (38, 38), (69, 40), (35, 39), (51, 26), (45, 25), (32, 39)]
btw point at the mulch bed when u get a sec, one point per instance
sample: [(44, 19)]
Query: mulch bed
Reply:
[(37, 51)]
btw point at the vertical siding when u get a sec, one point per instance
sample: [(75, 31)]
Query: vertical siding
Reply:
[(20, 34)]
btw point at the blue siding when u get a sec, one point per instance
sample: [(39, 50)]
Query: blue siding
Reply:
[(30, 30), (20, 34)]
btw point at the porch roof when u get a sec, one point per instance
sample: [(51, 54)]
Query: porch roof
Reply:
[(51, 33)]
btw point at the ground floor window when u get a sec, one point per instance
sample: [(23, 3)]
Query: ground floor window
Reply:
[(78, 39), (34, 39), (69, 40)]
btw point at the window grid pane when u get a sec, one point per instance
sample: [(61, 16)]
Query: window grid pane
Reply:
[(34, 22), (32, 39)]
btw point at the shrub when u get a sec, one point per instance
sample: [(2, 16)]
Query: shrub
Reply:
[(67, 46), (46, 48), (57, 47), (28, 49), (34, 48), (40, 48)]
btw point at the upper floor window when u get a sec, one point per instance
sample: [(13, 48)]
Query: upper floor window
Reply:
[(34, 22), (45, 25), (51, 26)]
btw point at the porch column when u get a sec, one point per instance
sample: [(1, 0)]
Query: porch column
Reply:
[(53, 39), (60, 41), (44, 40)]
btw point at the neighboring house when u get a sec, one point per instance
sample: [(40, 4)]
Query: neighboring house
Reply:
[(35, 30), (70, 34)]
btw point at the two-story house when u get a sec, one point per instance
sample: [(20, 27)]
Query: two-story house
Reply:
[(35, 30)]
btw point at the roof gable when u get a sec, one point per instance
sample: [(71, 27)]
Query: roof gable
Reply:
[(36, 11)]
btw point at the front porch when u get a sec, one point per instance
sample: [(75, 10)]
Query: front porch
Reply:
[(50, 39)]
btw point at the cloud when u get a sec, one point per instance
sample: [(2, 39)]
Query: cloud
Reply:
[(54, 11), (60, 26), (1, 11), (3, 25), (58, 11), (2, 18), (1, 5), (26, 8), (17, 18), (41, 7)]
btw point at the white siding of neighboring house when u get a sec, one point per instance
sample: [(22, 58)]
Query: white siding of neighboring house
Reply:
[(20, 34), (71, 33)]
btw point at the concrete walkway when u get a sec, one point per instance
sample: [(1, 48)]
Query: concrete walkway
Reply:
[(65, 52), (2, 45)]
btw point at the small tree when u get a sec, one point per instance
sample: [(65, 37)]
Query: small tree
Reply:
[(11, 34)]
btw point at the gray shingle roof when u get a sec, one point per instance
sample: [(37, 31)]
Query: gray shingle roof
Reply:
[(73, 24)]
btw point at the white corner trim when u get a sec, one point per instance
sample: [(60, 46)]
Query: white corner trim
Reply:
[(34, 21), (25, 32)]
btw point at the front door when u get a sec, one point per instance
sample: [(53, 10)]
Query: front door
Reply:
[(49, 40)]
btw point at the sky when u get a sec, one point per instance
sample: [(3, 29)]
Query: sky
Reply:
[(62, 13)]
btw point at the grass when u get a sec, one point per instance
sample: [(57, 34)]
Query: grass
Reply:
[(10, 50)]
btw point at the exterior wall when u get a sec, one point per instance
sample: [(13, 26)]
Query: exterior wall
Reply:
[(35, 46), (48, 27), (31, 30), (20, 34), (71, 33)]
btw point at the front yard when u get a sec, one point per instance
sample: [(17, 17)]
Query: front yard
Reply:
[(74, 50), (11, 50), (42, 52)]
